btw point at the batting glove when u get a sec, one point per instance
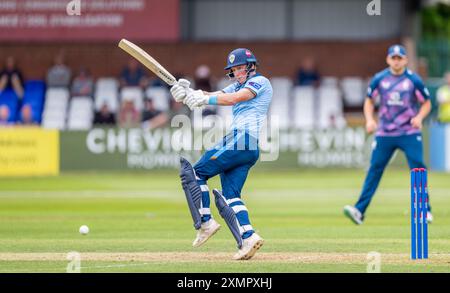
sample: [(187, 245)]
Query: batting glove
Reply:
[(196, 99), (180, 89)]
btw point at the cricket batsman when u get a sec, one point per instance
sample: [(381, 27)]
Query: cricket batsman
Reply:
[(404, 104), (250, 96)]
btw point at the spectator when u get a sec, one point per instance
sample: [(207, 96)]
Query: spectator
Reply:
[(83, 84), (308, 75), (151, 117), (443, 98), (157, 82), (104, 116), (177, 109), (202, 78), (129, 116), (203, 81), (11, 78), (4, 115), (133, 75), (27, 115), (59, 75)]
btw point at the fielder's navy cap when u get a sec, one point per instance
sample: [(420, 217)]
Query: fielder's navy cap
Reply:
[(397, 50)]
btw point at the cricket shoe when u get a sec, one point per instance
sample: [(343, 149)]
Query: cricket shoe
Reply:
[(429, 217), (353, 214), (206, 231), (249, 247)]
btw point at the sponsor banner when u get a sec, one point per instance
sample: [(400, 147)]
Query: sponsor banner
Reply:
[(139, 149), (29, 151), (34, 151), (120, 149), (89, 20), (346, 147)]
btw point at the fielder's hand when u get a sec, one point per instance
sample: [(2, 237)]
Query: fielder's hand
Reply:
[(180, 89), (371, 126), (416, 122), (196, 99)]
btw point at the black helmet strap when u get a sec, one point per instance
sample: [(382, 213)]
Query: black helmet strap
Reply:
[(249, 70)]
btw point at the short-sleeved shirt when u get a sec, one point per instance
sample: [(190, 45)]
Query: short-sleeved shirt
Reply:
[(443, 97), (400, 99), (250, 115), (9, 74), (59, 76)]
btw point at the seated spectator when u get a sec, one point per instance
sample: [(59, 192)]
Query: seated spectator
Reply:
[(443, 98), (26, 115), (157, 82), (177, 109), (83, 84), (203, 81), (151, 117), (4, 115), (104, 116), (59, 75), (202, 78), (308, 75), (133, 75), (129, 116), (11, 78)]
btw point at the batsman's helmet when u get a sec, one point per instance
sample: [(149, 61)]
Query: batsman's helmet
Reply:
[(240, 56)]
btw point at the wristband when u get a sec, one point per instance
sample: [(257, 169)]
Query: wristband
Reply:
[(212, 100)]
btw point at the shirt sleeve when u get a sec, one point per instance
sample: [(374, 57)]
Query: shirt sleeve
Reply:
[(373, 86), (421, 90), (20, 76), (256, 85), (440, 95), (229, 89)]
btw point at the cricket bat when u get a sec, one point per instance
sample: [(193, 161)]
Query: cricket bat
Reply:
[(148, 61)]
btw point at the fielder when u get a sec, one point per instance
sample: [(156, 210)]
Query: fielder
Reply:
[(250, 95), (404, 103)]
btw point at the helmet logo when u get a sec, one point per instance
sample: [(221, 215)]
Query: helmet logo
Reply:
[(248, 53), (231, 58)]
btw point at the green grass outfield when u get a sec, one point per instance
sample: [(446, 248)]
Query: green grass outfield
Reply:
[(139, 222)]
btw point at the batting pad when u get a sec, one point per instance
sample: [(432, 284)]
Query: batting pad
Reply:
[(228, 215), (192, 191)]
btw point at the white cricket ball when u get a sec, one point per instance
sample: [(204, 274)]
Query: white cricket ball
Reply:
[(84, 230)]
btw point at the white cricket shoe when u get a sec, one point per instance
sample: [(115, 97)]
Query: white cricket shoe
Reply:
[(249, 247), (429, 218), (353, 214), (206, 231)]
